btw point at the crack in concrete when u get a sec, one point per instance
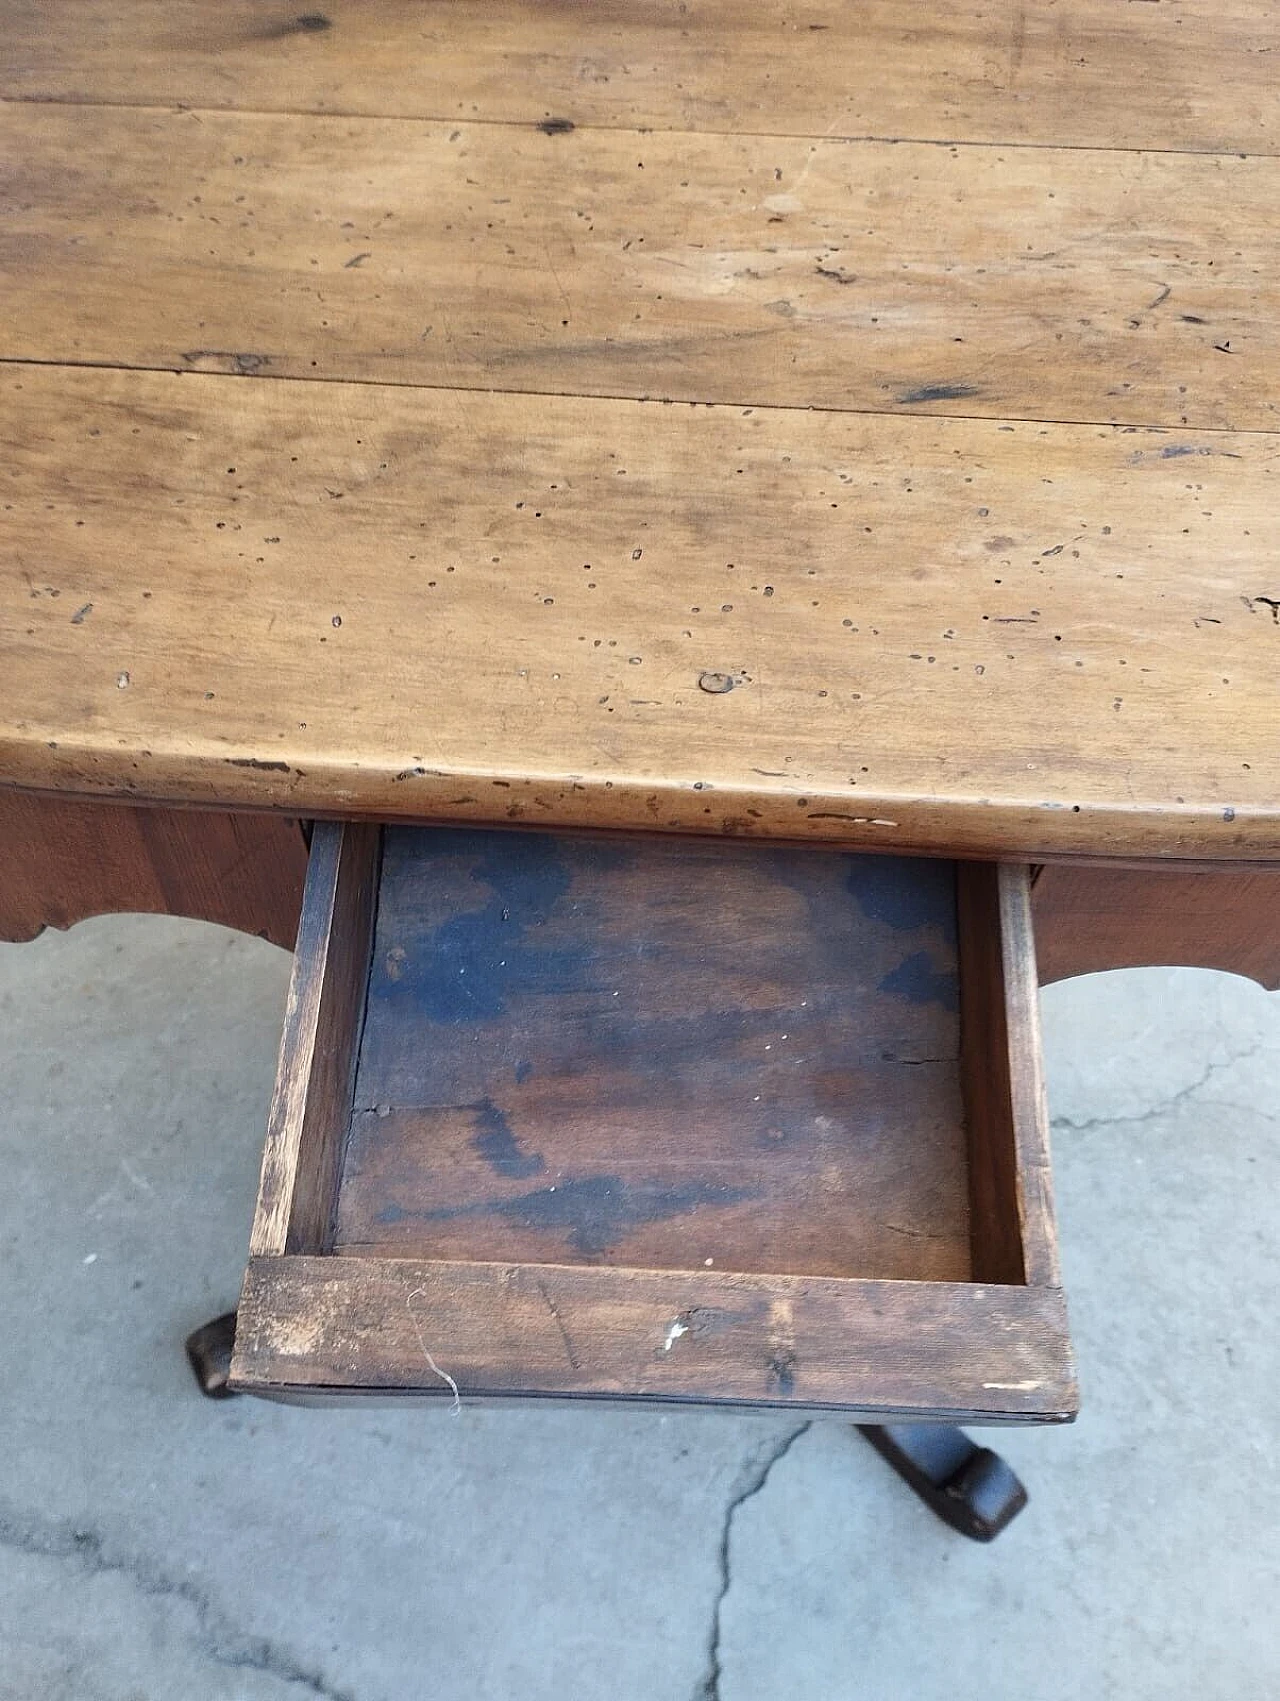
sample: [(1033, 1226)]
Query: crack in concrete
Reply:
[(1086, 1124), (709, 1688), (216, 1638)]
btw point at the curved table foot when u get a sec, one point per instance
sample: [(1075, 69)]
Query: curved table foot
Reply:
[(209, 1351), (967, 1486)]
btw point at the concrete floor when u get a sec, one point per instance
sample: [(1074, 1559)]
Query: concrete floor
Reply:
[(156, 1547)]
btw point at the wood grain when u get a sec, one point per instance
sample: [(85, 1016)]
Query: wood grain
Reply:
[(307, 1123), (950, 1351), (942, 635), (658, 1054), (1086, 73), (64, 860), (1013, 1232), (1057, 284), (1091, 919)]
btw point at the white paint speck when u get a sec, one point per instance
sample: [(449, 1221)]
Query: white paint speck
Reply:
[(91, 1259), (673, 1334)]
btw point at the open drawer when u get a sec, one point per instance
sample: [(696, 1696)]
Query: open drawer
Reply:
[(659, 1120)]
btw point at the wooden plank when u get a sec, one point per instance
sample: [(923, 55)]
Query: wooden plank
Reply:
[(663, 1054), (1200, 74), (1037, 1219), (950, 1351), (943, 635), (873, 1185), (64, 860), (1027, 283), (1091, 919), (1013, 1230), (307, 1122)]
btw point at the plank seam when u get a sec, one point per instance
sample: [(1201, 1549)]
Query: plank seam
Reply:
[(344, 115), (900, 412)]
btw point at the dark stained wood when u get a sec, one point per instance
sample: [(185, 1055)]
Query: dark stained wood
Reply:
[(306, 1126), (1093, 918), (660, 1054), (64, 860), (632, 1077), (953, 1351), (1013, 1236)]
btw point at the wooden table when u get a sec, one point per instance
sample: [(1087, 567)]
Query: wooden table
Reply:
[(834, 424)]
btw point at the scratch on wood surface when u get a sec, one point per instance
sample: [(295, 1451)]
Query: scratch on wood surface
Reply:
[(444, 1375), (554, 1309)]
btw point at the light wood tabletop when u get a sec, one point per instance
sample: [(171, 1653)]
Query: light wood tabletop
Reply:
[(848, 423)]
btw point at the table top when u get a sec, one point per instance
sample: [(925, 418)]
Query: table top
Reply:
[(850, 423)]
